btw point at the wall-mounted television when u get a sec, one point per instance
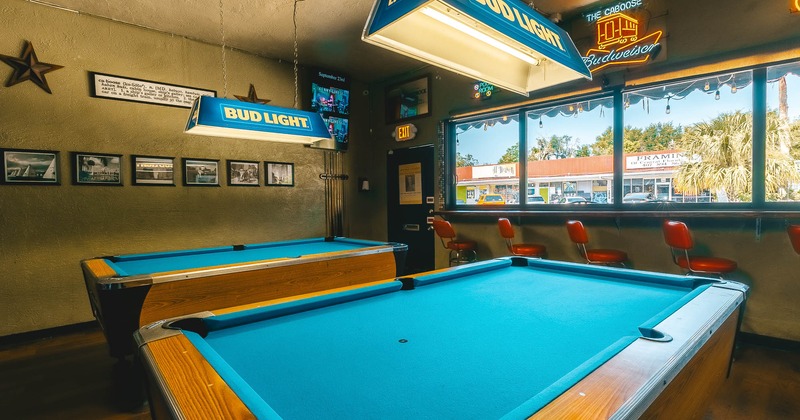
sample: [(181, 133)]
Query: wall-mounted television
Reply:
[(330, 96)]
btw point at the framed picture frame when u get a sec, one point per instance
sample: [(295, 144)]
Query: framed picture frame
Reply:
[(408, 100), (153, 170), (279, 174), (243, 173), (200, 172), (96, 169), (32, 167)]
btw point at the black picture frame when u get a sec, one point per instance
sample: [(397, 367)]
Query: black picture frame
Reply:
[(153, 170), (200, 172), (96, 168), (279, 174), (244, 173), (408, 100), (30, 167)]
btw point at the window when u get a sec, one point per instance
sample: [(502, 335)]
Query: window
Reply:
[(782, 181), (690, 142), (685, 144), (570, 152), (487, 161)]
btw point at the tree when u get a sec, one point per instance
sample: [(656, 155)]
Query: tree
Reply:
[(557, 147), (511, 155), (654, 137), (720, 157), (468, 160)]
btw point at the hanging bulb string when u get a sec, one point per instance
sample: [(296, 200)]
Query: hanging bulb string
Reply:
[(294, 26), (224, 62)]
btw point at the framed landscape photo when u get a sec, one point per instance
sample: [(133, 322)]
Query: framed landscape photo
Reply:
[(35, 167), (408, 100), (96, 169), (153, 170), (200, 172), (243, 173), (279, 174)]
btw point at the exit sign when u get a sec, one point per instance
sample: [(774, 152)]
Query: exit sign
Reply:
[(405, 132)]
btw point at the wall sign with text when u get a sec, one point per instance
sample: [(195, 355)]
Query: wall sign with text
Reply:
[(621, 39), (136, 90)]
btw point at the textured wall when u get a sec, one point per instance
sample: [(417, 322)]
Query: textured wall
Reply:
[(46, 230)]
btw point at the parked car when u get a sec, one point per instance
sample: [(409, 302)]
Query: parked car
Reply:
[(536, 199), (638, 198), (572, 200), (491, 199)]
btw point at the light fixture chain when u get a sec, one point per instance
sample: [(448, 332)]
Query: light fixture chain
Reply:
[(224, 62), (294, 25)]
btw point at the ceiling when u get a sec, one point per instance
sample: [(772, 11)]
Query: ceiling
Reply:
[(328, 31)]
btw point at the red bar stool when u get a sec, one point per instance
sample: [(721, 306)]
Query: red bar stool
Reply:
[(794, 236), (522, 250), (461, 252), (578, 235), (679, 239)]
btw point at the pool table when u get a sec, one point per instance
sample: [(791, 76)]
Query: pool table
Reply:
[(128, 291), (509, 338)]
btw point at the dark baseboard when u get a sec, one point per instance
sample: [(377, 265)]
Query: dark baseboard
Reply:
[(772, 342), (31, 336)]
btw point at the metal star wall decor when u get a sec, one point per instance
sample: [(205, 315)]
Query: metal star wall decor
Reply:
[(28, 67), (252, 97)]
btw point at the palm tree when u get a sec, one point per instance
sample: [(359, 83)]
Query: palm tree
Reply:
[(720, 157)]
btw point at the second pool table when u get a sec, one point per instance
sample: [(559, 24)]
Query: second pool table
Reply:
[(510, 338), (128, 291)]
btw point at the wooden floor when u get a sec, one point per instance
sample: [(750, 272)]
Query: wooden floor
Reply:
[(72, 377)]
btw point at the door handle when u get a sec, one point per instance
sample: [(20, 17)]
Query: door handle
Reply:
[(411, 227)]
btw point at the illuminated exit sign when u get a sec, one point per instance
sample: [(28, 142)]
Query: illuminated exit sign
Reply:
[(620, 39), (405, 132)]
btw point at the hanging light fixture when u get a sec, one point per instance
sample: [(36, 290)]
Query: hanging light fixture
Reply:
[(504, 43), (222, 117)]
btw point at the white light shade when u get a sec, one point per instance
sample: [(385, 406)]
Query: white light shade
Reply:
[(222, 117), (504, 43)]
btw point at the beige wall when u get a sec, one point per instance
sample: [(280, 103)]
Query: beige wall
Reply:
[(46, 230), (697, 33)]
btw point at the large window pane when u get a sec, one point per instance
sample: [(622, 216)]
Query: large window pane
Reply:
[(783, 133), (487, 161), (570, 153), (690, 141)]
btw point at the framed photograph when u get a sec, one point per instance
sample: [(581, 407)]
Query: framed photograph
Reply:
[(37, 167), (200, 172), (279, 174), (408, 100), (153, 170), (96, 169), (243, 173)]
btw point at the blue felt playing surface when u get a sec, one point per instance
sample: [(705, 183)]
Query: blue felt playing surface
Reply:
[(501, 342), (129, 265)]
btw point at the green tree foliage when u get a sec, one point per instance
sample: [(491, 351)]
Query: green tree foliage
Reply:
[(468, 160), (654, 137), (511, 155)]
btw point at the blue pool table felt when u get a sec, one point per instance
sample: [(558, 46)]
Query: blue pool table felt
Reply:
[(495, 341), (158, 262)]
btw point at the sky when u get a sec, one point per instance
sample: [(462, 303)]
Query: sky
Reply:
[(488, 146)]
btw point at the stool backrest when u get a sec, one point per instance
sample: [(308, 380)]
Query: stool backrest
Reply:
[(506, 230), (677, 235), (577, 233), (794, 236), (444, 229)]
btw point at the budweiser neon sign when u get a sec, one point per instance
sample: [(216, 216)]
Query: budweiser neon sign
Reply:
[(621, 43)]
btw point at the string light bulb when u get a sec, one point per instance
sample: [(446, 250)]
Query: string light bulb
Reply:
[(716, 95), (733, 89), (540, 122), (668, 107), (707, 86)]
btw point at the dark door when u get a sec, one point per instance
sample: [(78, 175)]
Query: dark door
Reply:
[(410, 204)]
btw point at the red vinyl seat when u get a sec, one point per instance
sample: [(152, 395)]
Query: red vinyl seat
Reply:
[(578, 235), (461, 251), (679, 239), (794, 236), (521, 249)]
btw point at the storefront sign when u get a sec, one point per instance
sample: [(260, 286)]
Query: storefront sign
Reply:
[(620, 41), (506, 170), (656, 160)]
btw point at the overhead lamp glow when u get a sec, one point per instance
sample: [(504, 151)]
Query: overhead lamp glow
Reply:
[(518, 49), (222, 117)]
